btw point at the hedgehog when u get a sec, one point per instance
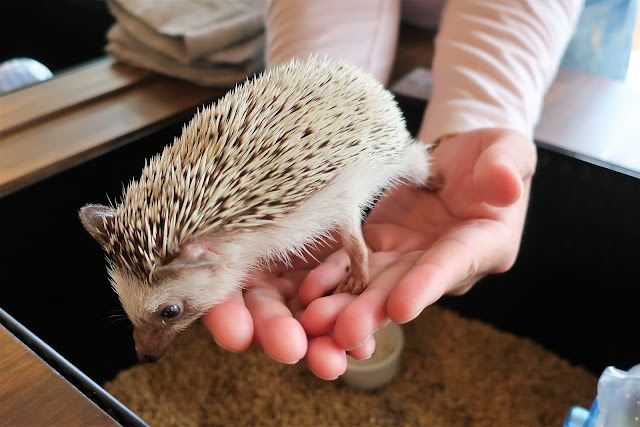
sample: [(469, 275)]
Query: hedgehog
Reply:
[(284, 160)]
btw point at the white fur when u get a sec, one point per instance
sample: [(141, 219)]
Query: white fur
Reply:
[(331, 209)]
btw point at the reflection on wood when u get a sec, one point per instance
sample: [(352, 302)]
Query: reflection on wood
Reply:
[(50, 126), (70, 90)]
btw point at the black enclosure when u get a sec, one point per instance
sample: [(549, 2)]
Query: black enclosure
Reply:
[(574, 288)]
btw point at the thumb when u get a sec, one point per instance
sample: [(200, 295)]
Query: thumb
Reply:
[(503, 169)]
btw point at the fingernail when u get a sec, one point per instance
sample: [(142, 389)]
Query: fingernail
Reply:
[(363, 341), (412, 317)]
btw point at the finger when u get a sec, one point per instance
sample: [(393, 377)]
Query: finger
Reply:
[(366, 350), (497, 178), (444, 266), (276, 331), (325, 277), (320, 316), (285, 282), (503, 167), (230, 323), (326, 359), (367, 313)]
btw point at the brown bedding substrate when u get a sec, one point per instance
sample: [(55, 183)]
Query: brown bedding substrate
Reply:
[(456, 372)]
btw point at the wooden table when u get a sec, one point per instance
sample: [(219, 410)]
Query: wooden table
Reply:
[(32, 393), (54, 125)]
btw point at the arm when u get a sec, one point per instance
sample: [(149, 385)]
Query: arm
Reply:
[(494, 61), (269, 311), (419, 253), (364, 32)]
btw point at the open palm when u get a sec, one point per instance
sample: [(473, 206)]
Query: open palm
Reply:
[(422, 244)]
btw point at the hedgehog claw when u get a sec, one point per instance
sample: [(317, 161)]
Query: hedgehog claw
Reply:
[(352, 285)]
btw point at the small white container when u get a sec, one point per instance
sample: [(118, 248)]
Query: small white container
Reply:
[(382, 366)]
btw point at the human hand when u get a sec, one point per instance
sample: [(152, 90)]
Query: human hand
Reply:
[(268, 312), (425, 244), (429, 243)]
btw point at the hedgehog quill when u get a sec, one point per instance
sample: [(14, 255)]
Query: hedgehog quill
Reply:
[(279, 162)]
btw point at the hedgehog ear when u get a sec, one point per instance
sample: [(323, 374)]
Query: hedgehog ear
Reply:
[(197, 254), (95, 218), (191, 256)]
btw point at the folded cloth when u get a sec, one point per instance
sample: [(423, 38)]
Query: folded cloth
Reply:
[(210, 42), (223, 68), (196, 27)]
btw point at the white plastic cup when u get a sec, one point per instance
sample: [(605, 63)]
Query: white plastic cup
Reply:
[(382, 366)]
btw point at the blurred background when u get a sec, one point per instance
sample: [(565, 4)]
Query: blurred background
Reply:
[(67, 33)]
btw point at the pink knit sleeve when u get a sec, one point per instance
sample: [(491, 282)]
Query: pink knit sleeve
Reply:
[(493, 63), (364, 32)]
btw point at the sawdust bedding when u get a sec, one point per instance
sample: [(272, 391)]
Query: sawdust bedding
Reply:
[(456, 372)]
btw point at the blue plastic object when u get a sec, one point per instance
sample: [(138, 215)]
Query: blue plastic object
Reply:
[(580, 417), (617, 403)]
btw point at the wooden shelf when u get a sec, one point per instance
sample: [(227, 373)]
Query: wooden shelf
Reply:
[(71, 90), (53, 125)]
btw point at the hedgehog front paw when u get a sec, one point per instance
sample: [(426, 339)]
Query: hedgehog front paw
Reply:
[(352, 284)]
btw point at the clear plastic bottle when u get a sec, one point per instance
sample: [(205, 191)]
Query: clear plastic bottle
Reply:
[(617, 403)]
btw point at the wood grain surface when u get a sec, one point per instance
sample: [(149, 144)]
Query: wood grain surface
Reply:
[(32, 393), (70, 90), (56, 124)]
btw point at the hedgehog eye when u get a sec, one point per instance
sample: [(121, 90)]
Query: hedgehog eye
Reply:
[(170, 311)]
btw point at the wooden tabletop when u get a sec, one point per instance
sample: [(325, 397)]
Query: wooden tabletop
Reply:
[(58, 123), (32, 393)]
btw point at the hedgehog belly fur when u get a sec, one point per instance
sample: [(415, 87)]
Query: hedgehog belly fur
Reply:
[(329, 210)]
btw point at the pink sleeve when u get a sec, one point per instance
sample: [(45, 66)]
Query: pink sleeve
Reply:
[(493, 63), (365, 32)]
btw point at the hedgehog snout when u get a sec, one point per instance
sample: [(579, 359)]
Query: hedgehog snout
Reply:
[(147, 358), (152, 344)]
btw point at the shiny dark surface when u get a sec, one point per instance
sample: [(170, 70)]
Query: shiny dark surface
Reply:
[(171, 311), (574, 288), (48, 260), (60, 34)]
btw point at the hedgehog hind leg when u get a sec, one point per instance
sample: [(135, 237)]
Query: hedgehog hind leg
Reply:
[(357, 278)]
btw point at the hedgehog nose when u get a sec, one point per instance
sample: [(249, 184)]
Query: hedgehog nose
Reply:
[(147, 358), (152, 344)]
